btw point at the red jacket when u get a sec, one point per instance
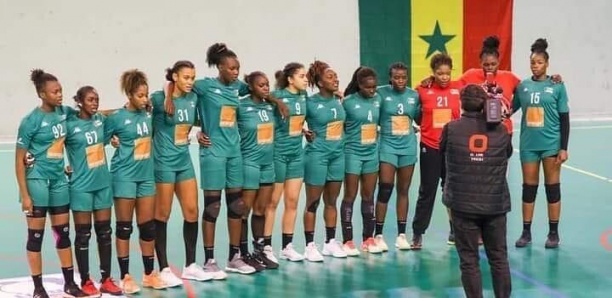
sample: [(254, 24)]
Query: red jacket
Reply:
[(438, 107), (505, 79)]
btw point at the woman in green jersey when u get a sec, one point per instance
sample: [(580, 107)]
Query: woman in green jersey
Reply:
[(133, 179), (174, 173), (256, 127), (544, 139), (400, 106), (43, 187), (324, 170), (362, 106), (90, 189), (288, 158)]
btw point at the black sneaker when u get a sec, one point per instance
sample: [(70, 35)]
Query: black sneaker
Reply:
[(73, 291), (250, 260), (552, 241), (417, 242), (40, 293), (261, 257), (524, 240), (451, 239)]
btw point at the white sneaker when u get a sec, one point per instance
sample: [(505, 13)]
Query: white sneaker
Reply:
[(369, 245), (401, 242), (269, 253), (350, 249), (238, 265), (312, 253), (169, 278), (288, 253), (213, 269), (195, 272), (334, 248), (380, 242)]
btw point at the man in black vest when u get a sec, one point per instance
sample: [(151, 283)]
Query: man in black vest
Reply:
[(476, 191)]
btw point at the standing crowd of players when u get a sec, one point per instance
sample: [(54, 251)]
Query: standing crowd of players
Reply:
[(251, 147)]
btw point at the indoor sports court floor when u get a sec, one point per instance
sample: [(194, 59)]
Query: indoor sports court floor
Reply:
[(579, 268)]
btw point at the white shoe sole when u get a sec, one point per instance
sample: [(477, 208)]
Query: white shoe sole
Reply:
[(235, 270)]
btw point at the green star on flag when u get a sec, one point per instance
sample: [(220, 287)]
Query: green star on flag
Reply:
[(437, 41)]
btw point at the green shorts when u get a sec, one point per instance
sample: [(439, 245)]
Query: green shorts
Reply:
[(398, 161), (358, 165), (174, 176), (133, 189), (255, 174), (88, 201), (49, 192), (288, 167), (321, 168), (530, 156), (218, 173)]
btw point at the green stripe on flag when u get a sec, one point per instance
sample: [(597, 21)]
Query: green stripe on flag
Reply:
[(384, 32)]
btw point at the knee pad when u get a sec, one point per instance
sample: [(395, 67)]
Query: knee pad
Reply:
[(212, 206), (312, 208), (55, 210), (62, 236), (346, 211), (529, 193), (123, 230), (38, 212), (146, 231), (235, 205), (384, 192), (82, 236), (103, 233), (553, 193), (35, 239)]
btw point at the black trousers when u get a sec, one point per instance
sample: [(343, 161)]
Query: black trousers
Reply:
[(468, 228), (432, 170)]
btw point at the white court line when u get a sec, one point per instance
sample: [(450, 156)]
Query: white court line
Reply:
[(581, 127), (577, 170)]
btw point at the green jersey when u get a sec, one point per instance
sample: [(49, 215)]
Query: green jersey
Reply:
[(325, 117), (132, 161), (361, 127), (397, 112), (541, 103), (217, 104), (256, 126), (43, 134), (85, 141), (289, 137), (171, 133)]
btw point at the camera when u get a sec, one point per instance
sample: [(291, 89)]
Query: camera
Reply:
[(493, 104)]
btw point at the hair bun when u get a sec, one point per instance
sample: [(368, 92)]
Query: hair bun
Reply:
[(36, 75), (491, 42), (540, 45)]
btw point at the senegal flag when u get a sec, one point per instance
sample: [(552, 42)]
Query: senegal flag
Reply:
[(412, 31)]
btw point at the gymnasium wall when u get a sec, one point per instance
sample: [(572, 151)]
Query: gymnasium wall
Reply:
[(92, 42)]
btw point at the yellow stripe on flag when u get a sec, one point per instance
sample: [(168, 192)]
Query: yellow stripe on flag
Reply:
[(437, 25)]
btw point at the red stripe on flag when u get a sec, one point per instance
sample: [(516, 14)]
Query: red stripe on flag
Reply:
[(482, 18)]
